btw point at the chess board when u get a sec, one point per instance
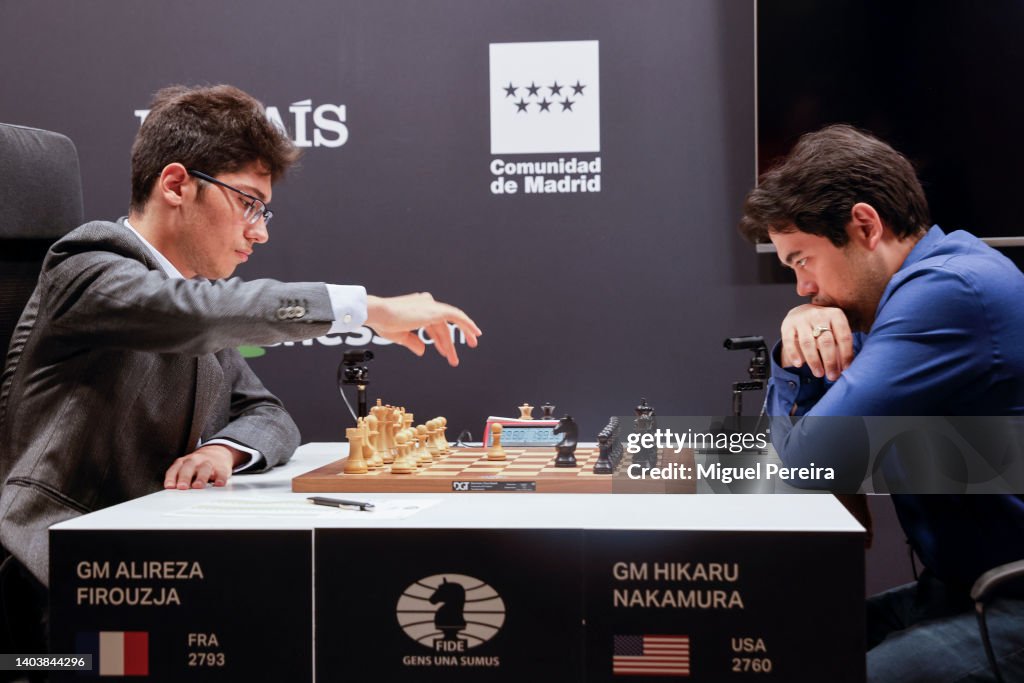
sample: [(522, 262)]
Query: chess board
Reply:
[(468, 470)]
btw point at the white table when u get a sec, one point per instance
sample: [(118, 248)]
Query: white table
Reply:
[(765, 581)]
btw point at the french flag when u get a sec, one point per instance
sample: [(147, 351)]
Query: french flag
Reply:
[(119, 653)]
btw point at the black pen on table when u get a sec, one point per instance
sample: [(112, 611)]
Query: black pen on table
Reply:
[(339, 503)]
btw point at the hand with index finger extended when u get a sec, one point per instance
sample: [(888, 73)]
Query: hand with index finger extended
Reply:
[(395, 318)]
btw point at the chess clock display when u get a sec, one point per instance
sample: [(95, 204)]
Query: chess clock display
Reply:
[(518, 432)]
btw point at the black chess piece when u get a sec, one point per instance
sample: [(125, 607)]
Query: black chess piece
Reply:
[(646, 457), (549, 411), (644, 408), (652, 458), (604, 460), (640, 458), (616, 443), (566, 448), (644, 416), (449, 619)]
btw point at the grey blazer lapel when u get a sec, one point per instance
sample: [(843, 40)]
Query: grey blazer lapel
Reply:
[(209, 379), (209, 375)]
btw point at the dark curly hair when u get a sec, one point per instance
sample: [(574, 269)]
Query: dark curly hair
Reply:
[(213, 129), (826, 173)]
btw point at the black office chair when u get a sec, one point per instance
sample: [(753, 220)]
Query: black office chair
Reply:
[(986, 589), (40, 200)]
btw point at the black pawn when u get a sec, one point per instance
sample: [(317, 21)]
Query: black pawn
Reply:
[(604, 461)]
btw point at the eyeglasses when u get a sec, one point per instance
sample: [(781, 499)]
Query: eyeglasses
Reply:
[(255, 209)]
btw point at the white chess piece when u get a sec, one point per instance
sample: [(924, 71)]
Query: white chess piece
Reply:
[(355, 464), (496, 452)]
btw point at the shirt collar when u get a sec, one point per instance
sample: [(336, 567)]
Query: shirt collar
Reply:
[(161, 260), (923, 246), (922, 249)]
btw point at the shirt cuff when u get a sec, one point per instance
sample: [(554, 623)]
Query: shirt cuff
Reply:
[(793, 386), (349, 305), (255, 457)]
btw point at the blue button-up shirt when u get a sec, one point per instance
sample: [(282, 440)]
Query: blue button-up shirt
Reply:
[(948, 339)]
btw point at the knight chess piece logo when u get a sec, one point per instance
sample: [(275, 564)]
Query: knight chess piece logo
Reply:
[(545, 97), (450, 613)]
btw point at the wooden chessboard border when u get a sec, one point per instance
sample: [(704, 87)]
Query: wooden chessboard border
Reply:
[(527, 469)]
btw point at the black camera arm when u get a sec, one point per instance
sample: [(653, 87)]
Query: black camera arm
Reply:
[(757, 370), (353, 370)]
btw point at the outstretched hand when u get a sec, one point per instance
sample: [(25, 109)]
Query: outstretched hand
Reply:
[(397, 317), (819, 336)]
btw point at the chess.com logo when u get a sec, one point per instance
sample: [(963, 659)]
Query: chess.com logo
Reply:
[(450, 613)]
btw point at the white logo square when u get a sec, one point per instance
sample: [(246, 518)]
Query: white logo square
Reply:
[(545, 97)]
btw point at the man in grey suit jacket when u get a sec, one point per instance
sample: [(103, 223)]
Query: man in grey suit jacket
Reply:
[(122, 376)]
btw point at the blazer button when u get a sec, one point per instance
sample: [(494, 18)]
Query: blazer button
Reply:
[(282, 314), (300, 311)]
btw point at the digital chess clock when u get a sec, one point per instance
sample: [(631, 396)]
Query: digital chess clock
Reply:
[(517, 432)]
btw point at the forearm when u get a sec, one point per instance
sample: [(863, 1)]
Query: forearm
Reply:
[(267, 429), (251, 415), (120, 304), (805, 440)]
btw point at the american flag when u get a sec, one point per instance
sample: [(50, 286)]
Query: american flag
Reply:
[(651, 656)]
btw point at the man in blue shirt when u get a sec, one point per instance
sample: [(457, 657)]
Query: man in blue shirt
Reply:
[(903, 319)]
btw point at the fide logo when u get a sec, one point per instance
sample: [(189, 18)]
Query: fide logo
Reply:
[(450, 613), (545, 97)]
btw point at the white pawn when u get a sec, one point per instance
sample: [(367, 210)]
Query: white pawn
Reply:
[(496, 452), (421, 454), (432, 441), (401, 465), (442, 438)]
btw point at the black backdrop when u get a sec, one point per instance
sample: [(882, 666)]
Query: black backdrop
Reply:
[(940, 83), (588, 300)]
